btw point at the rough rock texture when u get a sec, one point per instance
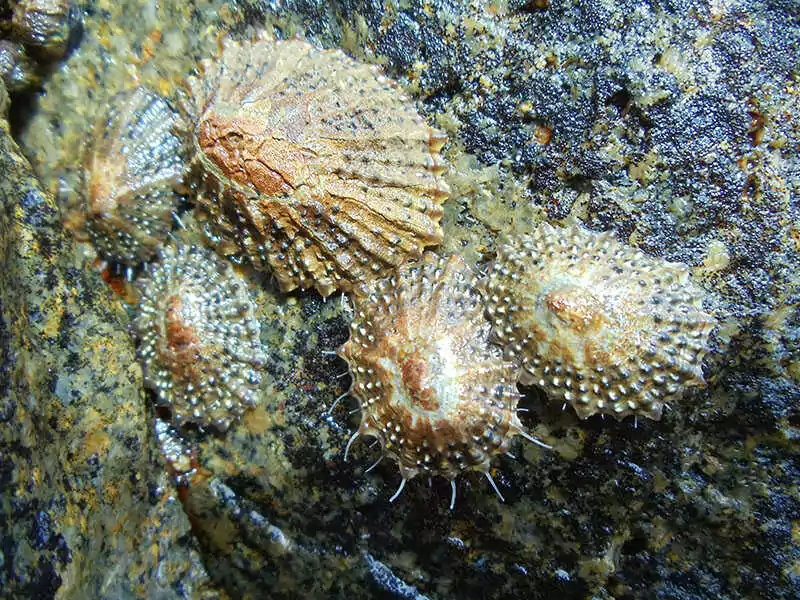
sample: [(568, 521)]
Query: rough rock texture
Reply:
[(86, 509), (674, 125)]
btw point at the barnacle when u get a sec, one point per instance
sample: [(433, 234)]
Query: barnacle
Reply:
[(597, 324), (198, 338), (434, 392), (133, 168), (314, 165)]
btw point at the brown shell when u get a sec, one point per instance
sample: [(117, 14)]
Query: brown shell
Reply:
[(597, 324), (199, 339), (433, 390), (314, 164)]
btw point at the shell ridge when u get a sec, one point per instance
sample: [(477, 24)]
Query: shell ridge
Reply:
[(348, 132), (415, 225), (198, 338)]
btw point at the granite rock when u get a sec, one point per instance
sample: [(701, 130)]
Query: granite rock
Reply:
[(87, 509)]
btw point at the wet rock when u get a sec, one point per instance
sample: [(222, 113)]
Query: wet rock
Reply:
[(34, 35), (674, 127), (86, 509)]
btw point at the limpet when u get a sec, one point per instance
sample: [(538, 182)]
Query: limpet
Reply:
[(314, 166), (199, 339), (134, 166), (597, 324), (433, 390)]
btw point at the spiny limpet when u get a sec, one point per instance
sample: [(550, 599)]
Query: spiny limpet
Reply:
[(133, 168), (199, 339), (597, 324), (433, 390), (314, 165)]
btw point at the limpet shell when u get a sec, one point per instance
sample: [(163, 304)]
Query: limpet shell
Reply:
[(199, 339), (314, 165), (433, 390), (597, 324), (134, 166)]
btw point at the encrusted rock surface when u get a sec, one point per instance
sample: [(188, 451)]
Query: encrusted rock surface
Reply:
[(86, 509), (673, 125)]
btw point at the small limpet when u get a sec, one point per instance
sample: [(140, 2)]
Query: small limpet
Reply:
[(597, 324), (199, 339), (133, 168), (314, 165), (433, 390)]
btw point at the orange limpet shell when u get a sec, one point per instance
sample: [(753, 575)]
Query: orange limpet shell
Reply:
[(597, 324), (433, 390), (316, 166)]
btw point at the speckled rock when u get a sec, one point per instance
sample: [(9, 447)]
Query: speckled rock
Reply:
[(82, 482), (672, 124)]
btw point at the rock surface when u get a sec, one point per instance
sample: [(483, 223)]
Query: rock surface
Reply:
[(675, 126), (87, 510)]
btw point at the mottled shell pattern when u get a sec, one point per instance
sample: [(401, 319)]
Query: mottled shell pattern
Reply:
[(597, 324), (314, 165), (433, 390), (133, 168), (199, 339)]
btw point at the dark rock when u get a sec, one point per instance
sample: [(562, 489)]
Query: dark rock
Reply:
[(74, 474), (671, 124)]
